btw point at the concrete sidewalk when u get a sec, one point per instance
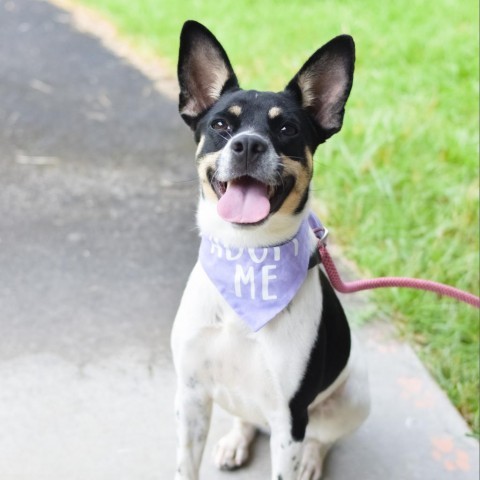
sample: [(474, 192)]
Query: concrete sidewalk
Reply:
[(97, 194)]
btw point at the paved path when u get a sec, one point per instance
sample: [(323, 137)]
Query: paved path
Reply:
[(96, 241)]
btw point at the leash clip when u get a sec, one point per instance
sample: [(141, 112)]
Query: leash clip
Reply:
[(321, 233), (319, 229)]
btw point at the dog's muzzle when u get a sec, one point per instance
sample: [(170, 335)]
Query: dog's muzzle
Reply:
[(248, 180)]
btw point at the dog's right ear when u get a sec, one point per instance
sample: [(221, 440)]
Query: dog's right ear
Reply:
[(323, 84), (204, 71)]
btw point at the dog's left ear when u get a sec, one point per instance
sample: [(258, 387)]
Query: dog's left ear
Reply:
[(323, 84), (204, 71)]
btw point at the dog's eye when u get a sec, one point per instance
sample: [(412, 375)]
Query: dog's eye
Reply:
[(289, 130), (221, 125)]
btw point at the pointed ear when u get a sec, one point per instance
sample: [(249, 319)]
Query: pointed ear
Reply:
[(204, 71), (323, 84)]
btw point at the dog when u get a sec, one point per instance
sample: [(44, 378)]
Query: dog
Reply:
[(259, 330)]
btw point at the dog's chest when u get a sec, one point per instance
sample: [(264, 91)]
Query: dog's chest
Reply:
[(249, 374), (236, 370)]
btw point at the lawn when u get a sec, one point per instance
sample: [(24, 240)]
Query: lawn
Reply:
[(400, 182)]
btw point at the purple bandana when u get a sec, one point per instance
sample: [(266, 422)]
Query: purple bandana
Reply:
[(258, 283)]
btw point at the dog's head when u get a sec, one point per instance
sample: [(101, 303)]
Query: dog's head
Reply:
[(255, 149)]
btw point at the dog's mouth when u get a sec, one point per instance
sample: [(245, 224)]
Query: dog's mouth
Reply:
[(248, 201)]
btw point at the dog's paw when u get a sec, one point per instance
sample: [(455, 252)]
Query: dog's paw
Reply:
[(232, 451), (312, 461)]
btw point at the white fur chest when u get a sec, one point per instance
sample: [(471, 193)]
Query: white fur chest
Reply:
[(249, 374)]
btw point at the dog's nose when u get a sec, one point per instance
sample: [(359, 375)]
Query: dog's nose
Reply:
[(248, 147)]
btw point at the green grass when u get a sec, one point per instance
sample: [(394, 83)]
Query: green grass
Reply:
[(401, 179)]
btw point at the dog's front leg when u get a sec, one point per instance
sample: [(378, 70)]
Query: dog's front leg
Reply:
[(285, 451), (193, 408)]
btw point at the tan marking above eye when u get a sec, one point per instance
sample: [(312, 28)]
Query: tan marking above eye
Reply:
[(274, 112), (235, 110)]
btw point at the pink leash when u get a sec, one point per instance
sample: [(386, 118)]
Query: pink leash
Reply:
[(386, 282)]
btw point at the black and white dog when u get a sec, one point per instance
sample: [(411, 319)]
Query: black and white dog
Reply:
[(259, 329)]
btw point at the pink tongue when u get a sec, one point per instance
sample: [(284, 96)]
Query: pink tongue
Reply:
[(245, 201)]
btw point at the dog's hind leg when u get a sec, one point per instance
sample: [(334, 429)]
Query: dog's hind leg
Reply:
[(337, 416), (232, 450), (313, 455)]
